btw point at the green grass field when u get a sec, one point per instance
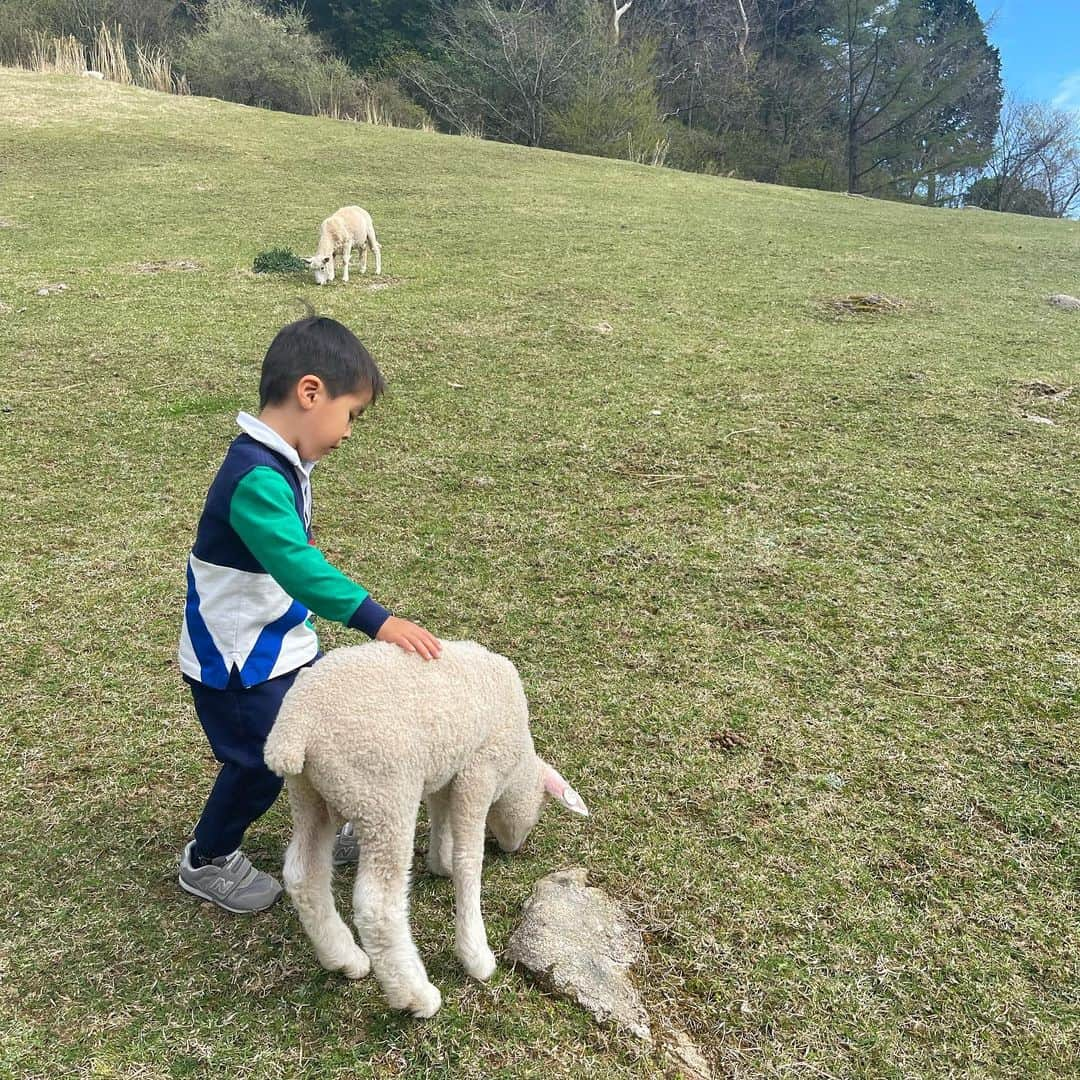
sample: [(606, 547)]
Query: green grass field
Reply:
[(839, 539)]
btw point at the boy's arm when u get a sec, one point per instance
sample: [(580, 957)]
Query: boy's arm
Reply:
[(263, 513)]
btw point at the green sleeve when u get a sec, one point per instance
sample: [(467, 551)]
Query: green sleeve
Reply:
[(263, 513)]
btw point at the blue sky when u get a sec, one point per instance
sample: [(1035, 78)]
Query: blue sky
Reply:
[(1039, 42)]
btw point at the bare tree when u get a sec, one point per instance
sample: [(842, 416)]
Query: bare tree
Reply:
[(1035, 166), (504, 63)]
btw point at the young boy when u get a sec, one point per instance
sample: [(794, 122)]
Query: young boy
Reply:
[(253, 575)]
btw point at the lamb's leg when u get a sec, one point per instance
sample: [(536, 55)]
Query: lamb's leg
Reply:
[(363, 258), (440, 856), (469, 807), (346, 255), (372, 243), (308, 872), (381, 909)]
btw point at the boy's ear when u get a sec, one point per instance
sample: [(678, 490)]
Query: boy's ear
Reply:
[(307, 390)]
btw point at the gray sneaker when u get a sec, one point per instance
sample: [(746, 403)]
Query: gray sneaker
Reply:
[(346, 850), (230, 881)]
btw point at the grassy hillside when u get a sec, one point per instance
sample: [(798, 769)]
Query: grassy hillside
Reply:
[(629, 444)]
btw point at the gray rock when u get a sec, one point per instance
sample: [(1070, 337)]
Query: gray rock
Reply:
[(579, 943), (1065, 302)]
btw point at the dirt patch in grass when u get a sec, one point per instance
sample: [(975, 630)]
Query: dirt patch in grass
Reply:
[(158, 267), (727, 740), (1046, 391), (384, 282)]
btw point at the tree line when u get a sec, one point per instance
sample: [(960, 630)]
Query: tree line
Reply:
[(898, 99)]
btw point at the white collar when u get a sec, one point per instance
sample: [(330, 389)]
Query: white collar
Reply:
[(263, 433)]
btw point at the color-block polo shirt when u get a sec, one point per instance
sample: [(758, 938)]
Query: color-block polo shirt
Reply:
[(254, 576)]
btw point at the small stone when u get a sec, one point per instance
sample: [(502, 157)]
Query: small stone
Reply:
[(1064, 301), (604, 327), (48, 290)]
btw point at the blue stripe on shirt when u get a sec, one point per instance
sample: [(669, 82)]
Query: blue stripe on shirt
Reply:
[(212, 664), (267, 648)]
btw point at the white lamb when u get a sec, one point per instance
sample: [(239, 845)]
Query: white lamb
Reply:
[(349, 226), (363, 736)]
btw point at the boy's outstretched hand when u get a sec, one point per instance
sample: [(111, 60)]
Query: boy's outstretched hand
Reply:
[(410, 637)]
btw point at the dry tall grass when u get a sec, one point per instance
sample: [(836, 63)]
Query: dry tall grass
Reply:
[(108, 53), (154, 71), (60, 54), (354, 98), (657, 156)]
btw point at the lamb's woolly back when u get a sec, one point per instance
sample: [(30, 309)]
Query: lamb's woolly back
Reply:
[(392, 696), (349, 222)]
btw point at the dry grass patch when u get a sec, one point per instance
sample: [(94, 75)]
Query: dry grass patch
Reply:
[(866, 304)]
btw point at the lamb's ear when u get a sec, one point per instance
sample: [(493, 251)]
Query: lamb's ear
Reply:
[(563, 793)]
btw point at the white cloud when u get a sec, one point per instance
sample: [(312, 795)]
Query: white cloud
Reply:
[(1068, 95)]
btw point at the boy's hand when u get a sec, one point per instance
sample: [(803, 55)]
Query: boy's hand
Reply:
[(410, 637)]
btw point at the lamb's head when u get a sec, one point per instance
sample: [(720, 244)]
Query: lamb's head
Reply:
[(514, 813), (323, 265)]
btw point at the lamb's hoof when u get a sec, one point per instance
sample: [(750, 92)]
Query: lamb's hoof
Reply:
[(479, 966), (350, 960), (426, 1003), (358, 966), (436, 867)]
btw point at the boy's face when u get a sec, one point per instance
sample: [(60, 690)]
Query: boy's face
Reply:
[(327, 421)]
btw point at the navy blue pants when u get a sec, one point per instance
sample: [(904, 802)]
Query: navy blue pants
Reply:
[(237, 721)]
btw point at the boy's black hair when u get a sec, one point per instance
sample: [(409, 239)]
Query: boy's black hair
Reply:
[(317, 346)]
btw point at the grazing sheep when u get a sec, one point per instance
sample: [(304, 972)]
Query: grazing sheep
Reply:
[(363, 736), (351, 225)]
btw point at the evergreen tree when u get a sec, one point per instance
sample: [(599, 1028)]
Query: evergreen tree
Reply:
[(366, 32), (916, 79)]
